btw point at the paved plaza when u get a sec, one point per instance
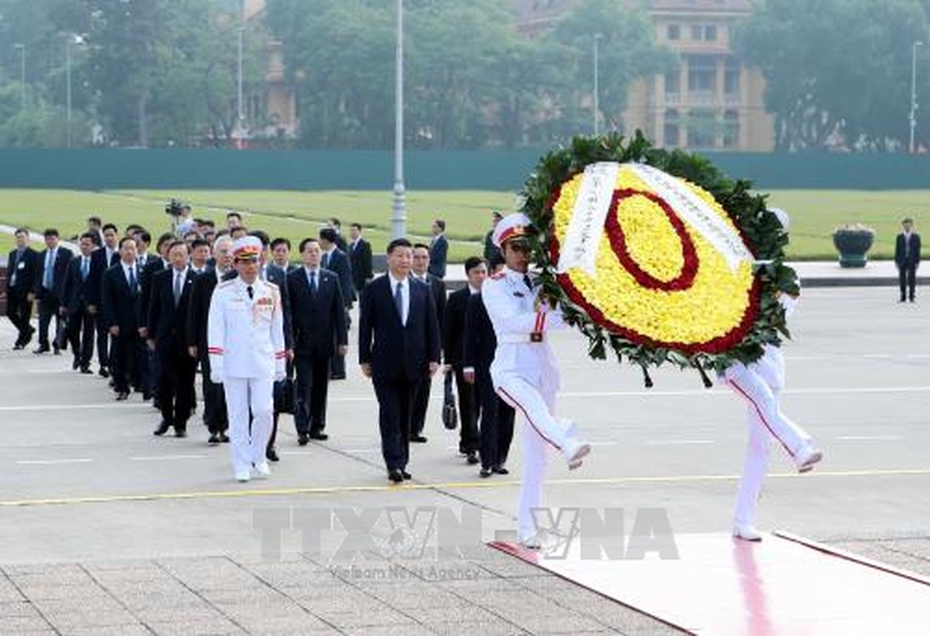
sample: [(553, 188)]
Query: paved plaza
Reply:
[(106, 529)]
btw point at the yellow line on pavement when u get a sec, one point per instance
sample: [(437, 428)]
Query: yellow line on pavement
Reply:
[(460, 485)]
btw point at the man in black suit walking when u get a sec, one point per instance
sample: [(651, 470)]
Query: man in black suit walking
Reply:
[(81, 300), (453, 346), (106, 256), (907, 258), (319, 324), (398, 347), (171, 291), (119, 303), (360, 257), (22, 266), (437, 288), (49, 284), (214, 407), (154, 263), (438, 249), (336, 261)]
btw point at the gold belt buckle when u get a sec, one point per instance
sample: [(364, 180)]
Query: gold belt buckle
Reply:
[(536, 336)]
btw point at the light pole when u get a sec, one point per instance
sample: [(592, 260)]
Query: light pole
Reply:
[(399, 219), (597, 39), (239, 116), (22, 74), (913, 116), (72, 39)]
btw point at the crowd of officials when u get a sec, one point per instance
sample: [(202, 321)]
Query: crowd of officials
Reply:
[(142, 308)]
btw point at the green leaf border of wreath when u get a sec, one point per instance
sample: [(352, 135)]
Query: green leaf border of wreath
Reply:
[(760, 228)]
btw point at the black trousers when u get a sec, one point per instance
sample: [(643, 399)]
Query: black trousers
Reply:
[(82, 327), (496, 423), (49, 305), (176, 384), (19, 310), (395, 402), (103, 345), (215, 416), (420, 406), (312, 393), (907, 279), (469, 412), (125, 359)]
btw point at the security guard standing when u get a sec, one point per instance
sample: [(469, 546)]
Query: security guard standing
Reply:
[(245, 338), (524, 370)]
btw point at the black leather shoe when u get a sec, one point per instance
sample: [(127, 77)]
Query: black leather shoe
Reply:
[(272, 455), (485, 473), (103, 372), (500, 470), (214, 439), (407, 476), (162, 428), (224, 438), (122, 395), (322, 437), (20, 347), (41, 350), (395, 475), (418, 439), (76, 364), (180, 432), (56, 350), (303, 438), (86, 371), (472, 458)]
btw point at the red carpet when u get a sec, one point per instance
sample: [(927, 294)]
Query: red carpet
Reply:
[(784, 585)]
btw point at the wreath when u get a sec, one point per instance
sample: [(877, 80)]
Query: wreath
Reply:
[(657, 254)]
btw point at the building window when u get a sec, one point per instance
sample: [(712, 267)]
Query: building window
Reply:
[(710, 32), (731, 129), (702, 128), (697, 32), (672, 83), (673, 32), (672, 131), (731, 78), (702, 73)]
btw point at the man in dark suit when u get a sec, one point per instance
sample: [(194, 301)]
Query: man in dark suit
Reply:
[(907, 258), (497, 416), (492, 253), (281, 255), (336, 261), (420, 273), (360, 257), (453, 346), (319, 324), (81, 301), (22, 268), (49, 285), (154, 263), (398, 347), (214, 409), (340, 241), (171, 292), (120, 294), (438, 249), (107, 256)]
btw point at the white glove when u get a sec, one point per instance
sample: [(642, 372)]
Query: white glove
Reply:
[(280, 376), (216, 378)]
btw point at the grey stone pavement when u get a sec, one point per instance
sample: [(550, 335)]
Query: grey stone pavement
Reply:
[(105, 529)]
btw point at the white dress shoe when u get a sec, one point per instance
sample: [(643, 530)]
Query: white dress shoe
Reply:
[(262, 470), (746, 532), (807, 457), (242, 476), (575, 451)]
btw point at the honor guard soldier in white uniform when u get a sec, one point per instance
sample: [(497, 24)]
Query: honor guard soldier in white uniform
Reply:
[(245, 338), (524, 370), (760, 384)]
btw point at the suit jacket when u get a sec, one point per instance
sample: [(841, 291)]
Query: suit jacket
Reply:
[(101, 254), (453, 327), (153, 265), (195, 331), (59, 271), (438, 249), (25, 269), (276, 275), (78, 293), (319, 319), (913, 255), (167, 323), (360, 257), (480, 341), (120, 304), (338, 263), (394, 350), (438, 290)]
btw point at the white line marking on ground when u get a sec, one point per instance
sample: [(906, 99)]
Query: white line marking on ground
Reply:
[(875, 356), (678, 442), (361, 450), (918, 355), (156, 458), (46, 462), (869, 438)]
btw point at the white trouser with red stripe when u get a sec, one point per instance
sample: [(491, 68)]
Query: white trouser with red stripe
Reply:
[(760, 385), (247, 444), (536, 402)]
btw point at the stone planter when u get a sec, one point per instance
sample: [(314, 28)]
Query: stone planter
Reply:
[(853, 246)]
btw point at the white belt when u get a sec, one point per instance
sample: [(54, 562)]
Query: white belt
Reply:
[(522, 338)]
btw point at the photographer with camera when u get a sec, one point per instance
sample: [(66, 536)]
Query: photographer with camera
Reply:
[(183, 220)]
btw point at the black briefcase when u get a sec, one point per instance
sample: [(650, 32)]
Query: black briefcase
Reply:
[(284, 396), (450, 415)]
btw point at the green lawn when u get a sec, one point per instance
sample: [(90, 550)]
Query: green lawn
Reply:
[(299, 214)]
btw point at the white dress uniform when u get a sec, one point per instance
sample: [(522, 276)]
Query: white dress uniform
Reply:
[(760, 384), (245, 338), (526, 376)]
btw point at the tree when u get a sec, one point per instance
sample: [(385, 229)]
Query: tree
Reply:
[(835, 70)]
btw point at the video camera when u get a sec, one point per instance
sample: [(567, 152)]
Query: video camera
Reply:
[(174, 208)]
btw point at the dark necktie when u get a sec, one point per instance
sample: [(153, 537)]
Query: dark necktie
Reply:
[(132, 280), (48, 280), (251, 292), (313, 282), (85, 267), (177, 289), (399, 301)]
